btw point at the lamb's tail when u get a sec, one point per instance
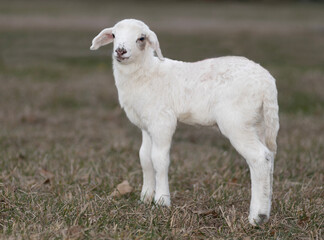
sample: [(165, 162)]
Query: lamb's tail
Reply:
[(271, 118)]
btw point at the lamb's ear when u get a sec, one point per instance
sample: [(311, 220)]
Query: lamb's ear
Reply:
[(103, 38), (154, 42)]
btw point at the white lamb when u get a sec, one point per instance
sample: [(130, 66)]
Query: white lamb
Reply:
[(233, 93)]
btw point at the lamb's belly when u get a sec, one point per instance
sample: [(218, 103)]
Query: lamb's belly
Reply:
[(202, 118)]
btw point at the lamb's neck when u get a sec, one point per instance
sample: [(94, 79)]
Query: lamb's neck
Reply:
[(133, 72)]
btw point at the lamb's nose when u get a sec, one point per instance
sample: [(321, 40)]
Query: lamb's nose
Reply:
[(120, 51)]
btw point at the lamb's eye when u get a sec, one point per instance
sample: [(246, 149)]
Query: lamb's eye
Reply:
[(141, 39), (113, 35)]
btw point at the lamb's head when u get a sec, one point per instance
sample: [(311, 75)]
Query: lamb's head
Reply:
[(132, 40)]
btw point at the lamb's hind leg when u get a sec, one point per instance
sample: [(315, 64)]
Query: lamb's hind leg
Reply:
[(260, 161), (148, 187)]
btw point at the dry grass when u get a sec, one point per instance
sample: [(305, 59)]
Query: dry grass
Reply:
[(65, 144)]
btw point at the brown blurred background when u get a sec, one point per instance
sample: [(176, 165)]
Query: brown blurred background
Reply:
[(65, 143)]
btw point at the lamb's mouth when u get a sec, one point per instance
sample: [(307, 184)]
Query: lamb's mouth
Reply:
[(121, 58)]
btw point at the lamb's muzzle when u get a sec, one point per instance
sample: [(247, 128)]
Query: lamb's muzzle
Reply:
[(234, 93), (121, 54), (120, 51)]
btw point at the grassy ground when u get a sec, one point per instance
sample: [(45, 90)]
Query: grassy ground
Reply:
[(65, 143)]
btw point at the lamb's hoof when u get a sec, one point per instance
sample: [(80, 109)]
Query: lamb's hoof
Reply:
[(163, 200), (259, 219), (147, 197)]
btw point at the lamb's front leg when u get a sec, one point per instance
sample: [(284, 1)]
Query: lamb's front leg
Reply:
[(161, 160), (148, 187)]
